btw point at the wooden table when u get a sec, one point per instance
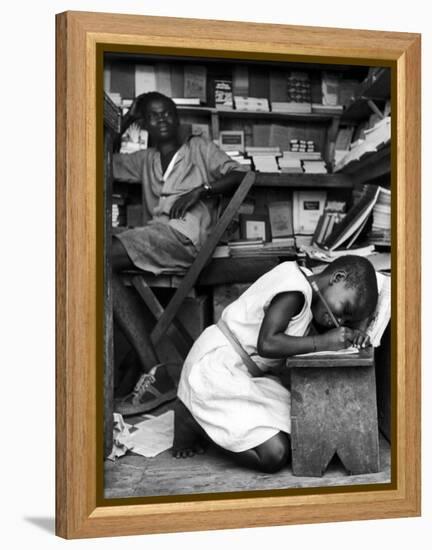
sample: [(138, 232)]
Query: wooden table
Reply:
[(334, 410)]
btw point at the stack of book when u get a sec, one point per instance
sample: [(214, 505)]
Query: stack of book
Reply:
[(290, 107), (299, 155), (325, 225), (298, 87), (187, 101), (381, 225), (320, 109), (255, 104), (239, 157), (374, 138), (302, 146), (289, 165), (279, 244), (112, 113), (347, 232), (314, 167), (118, 210), (246, 247), (257, 248), (264, 158), (302, 157)]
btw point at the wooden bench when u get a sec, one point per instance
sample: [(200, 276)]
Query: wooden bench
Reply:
[(334, 411)]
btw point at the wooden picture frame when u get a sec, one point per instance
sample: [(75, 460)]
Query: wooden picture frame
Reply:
[(261, 229), (81, 37)]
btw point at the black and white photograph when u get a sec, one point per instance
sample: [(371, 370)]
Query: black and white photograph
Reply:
[(247, 275)]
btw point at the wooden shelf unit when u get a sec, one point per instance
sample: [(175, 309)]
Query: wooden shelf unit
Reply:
[(370, 166), (376, 88)]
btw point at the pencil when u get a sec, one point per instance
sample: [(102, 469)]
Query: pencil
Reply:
[(329, 311)]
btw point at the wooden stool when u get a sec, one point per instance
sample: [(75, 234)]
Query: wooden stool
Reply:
[(334, 410)]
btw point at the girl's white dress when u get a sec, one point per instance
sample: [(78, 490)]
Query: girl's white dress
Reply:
[(237, 411)]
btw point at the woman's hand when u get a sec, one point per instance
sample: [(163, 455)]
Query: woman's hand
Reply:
[(185, 203), (336, 339)]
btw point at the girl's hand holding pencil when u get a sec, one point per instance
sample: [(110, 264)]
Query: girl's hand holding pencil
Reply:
[(336, 339)]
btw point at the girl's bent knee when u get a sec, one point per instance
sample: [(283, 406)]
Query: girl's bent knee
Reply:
[(275, 453)]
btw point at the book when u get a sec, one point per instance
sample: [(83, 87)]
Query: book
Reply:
[(298, 87), (145, 79), (261, 135), (277, 82), (280, 136), (123, 79), (195, 82), (177, 80), (240, 80), (308, 206), (265, 163), (163, 79), (281, 219), (354, 219), (263, 151), (330, 88), (252, 104), (314, 166), (319, 108), (231, 140), (343, 138), (258, 82), (192, 101), (223, 96)]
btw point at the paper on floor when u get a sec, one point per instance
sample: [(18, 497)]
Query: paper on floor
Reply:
[(147, 438)]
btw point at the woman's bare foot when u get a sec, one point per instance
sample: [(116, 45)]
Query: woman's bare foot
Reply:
[(189, 438)]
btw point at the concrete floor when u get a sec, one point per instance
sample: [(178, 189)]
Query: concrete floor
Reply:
[(213, 472)]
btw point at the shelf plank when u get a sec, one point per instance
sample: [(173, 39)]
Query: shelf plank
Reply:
[(234, 113), (323, 181)]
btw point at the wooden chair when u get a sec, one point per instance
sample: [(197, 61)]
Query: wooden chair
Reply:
[(166, 322), (165, 317)]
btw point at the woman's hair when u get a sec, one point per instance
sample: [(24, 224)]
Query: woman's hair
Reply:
[(360, 274), (144, 100)]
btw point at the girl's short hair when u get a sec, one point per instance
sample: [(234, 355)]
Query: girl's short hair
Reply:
[(360, 274)]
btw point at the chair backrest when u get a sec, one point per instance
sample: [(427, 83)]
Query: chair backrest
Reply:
[(203, 256)]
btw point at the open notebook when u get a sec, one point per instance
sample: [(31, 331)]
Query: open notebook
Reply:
[(378, 323)]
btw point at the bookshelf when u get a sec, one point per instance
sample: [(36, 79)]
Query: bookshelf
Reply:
[(376, 88), (339, 97), (370, 166)]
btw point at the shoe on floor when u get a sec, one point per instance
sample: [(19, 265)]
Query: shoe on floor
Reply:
[(151, 390)]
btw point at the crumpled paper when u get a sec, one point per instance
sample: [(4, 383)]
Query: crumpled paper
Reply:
[(148, 438)]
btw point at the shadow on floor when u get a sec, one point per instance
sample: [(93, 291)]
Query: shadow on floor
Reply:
[(46, 524)]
